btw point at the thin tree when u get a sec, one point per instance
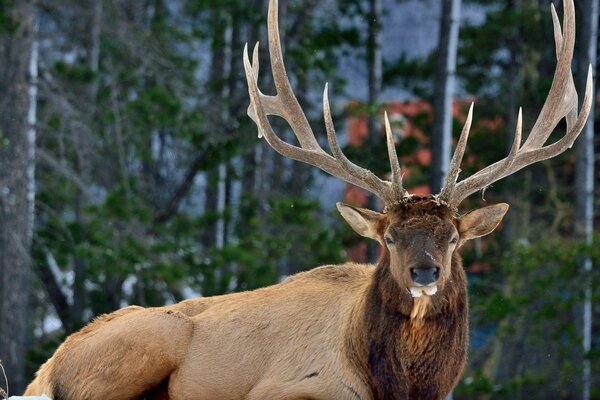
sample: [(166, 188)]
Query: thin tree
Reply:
[(513, 68), (374, 67), (214, 198), (584, 179), (18, 85), (445, 82)]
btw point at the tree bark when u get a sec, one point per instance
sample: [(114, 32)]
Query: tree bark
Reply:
[(584, 170), (216, 86), (445, 82), (374, 67), (514, 47), (18, 81)]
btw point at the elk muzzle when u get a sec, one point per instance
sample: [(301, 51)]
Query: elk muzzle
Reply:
[(424, 277), (425, 274)]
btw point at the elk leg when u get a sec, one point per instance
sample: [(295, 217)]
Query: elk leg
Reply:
[(119, 356)]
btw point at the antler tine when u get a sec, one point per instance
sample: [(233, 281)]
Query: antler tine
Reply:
[(558, 42), (255, 66), (260, 105), (454, 168), (517, 137), (291, 108), (561, 102), (566, 142), (558, 39), (562, 97), (491, 173), (397, 187), (375, 184), (285, 104)]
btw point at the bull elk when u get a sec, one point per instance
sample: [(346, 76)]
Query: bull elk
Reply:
[(396, 330)]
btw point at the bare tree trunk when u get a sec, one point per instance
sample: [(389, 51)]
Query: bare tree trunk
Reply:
[(584, 179), (445, 82), (224, 115), (215, 175), (514, 47), (221, 203), (374, 66), (17, 186), (233, 112)]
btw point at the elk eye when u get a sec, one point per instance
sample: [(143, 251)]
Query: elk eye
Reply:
[(388, 240), (454, 240)]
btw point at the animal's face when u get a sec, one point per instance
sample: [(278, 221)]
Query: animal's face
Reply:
[(420, 249), (420, 237)]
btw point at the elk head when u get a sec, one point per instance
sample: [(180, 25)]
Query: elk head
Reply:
[(420, 234)]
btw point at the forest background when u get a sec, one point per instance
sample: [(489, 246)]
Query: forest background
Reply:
[(130, 173)]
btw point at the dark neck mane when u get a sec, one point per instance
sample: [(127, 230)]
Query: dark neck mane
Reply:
[(404, 358)]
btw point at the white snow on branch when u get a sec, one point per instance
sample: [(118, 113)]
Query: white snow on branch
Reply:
[(64, 280)]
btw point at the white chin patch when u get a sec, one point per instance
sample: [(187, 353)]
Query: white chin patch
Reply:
[(418, 291)]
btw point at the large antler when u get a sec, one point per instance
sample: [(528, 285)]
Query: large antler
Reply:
[(561, 102), (285, 104)]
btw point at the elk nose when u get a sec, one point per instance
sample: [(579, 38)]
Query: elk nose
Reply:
[(425, 275)]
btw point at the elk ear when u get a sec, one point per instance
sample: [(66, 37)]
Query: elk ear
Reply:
[(364, 222), (482, 221)]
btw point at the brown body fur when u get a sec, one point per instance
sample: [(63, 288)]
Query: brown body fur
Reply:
[(335, 332)]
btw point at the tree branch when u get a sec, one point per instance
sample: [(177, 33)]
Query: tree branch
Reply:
[(182, 190), (65, 171), (55, 293)]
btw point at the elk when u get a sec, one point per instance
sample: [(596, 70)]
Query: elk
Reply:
[(394, 330)]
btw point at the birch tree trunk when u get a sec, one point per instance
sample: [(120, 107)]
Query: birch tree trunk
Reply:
[(584, 180), (374, 66), (445, 77), (215, 176), (18, 85)]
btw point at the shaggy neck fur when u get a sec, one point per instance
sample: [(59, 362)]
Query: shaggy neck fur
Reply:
[(408, 351)]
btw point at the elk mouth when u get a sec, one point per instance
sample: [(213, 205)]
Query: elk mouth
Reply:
[(420, 290)]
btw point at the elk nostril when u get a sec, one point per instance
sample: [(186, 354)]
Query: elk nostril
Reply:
[(413, 273), (436, 273)]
